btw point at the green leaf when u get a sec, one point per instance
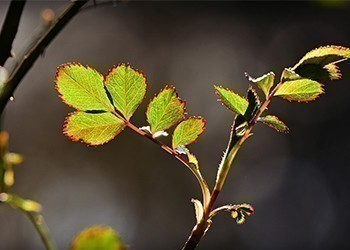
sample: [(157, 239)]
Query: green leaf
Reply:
[(275, 123), (188, 131), (333, 71), (301, 90), (320, 64), (231, 100), (165, 110), (289, 75), (93, 129), (97, 238), (264, 82), (82, 87), (239, 212), (324, 55), (127, 87)]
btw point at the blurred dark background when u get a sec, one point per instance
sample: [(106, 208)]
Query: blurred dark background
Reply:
[(298, 183)]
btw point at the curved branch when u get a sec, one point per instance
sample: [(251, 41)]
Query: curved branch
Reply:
[(203, 184), (29, 59), (9, 29)]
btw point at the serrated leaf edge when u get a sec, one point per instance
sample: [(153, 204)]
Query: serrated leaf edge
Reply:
[(125, 65), (301, 61), (65, 65), (271, 126), (192, 118), (304, 101), (221, 101), (65, 132), (183, 102)]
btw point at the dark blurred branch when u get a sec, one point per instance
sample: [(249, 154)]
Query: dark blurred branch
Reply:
[(9, 29), (34, 52), (97, 4)]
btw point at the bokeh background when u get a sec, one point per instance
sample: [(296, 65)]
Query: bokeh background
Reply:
[(298, 183)]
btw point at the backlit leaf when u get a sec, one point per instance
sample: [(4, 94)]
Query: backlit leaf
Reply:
[(275, 123), (231, 100), (82, 87), (333, 71), (165, 110), (289, 75), (320, 64), (188, 131), (301, 90), (97, 238), (127, 87), (93, 129), (264, 82), (324, 55)]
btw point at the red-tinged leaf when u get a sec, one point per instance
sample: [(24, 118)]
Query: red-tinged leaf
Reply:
[(127, 87), (301, 90), (93, 129), (333, 71), (82, 87), (231, 100), (165, 110), (324, 55), (275, 123), (188, 131)]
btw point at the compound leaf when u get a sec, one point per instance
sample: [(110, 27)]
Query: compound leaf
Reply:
[(231, 100), (165, 110), (264, 82), (93, 129), (324, 55), (82, 87), (127, 87), (188, 131), (97, 238), (275, 123), (301, 90)]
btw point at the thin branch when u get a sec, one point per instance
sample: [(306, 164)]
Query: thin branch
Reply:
[(42, 229), (203, 184), (9, 29), (29, 59), (31, 209), (200, 229)]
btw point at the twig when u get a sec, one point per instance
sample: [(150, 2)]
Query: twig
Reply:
[(203, 184), (32, 210), (29, 59), (9, 29), (200, 229), (42, 229)]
